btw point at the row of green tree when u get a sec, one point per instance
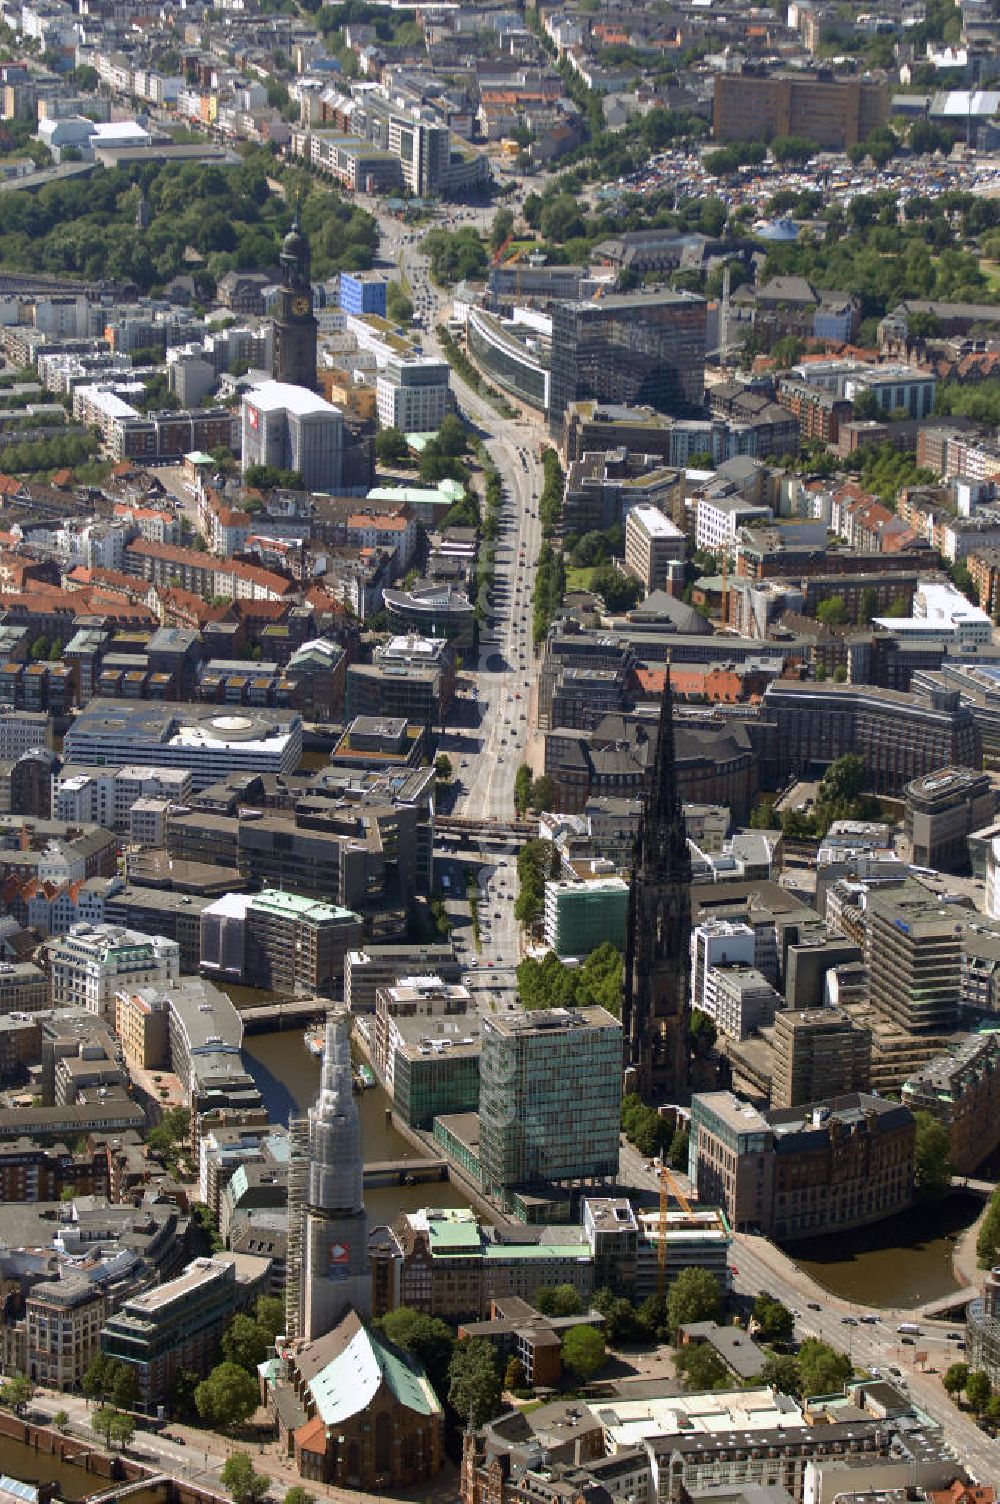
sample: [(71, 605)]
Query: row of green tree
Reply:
[(468, 1374), (550, 502), (550, 589), (981, 402), (694, 1296), (245, 1485), (834, 611), (170, 1139), (61, 451), (533, 793), (270, 478), (455, 255), (491, 509), (223, 1400), (883, 261), (599, 546), (537, 863), (976, 1386), (462, 365), (550, 983), (653, 1134), (230, 1393), (618, 591), (840, 797)]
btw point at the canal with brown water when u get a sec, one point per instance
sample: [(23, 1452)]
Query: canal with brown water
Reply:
[(287, 1076), (904, 1261)]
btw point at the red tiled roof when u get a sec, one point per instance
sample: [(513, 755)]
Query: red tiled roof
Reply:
[(312, 1436), (261, 610), (651, 680)]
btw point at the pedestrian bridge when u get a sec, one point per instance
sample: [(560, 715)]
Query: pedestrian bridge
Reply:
[(125, 1490), (465, 829), (405, 1171), (954, 1304), (983, 1188)]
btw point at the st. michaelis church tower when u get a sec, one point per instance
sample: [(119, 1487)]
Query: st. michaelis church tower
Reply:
[(295, 322)]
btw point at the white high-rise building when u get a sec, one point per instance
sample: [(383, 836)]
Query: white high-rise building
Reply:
[(717, 942), (291, 428), (335, 1277), (413, 394)]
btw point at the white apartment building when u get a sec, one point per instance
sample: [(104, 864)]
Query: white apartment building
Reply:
[(413, 395), (717, 942), (719, 519), (102, 545), (89, 964), (152, 523), (22, 731), (147, 823), (940, 611), (107, 796), (739, 1000), (653, 544)]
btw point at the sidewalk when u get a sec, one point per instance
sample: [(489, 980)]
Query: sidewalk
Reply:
[(963, 1259), (204, 1452)]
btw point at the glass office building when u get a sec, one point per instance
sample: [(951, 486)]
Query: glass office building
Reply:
[(550, 1097), (516, 359), (629, 348)]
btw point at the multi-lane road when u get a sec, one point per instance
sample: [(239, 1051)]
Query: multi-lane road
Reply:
[(487, 750), (487, 743), (872, 1343)]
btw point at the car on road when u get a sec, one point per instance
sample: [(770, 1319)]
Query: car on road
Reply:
[(908, 1341), (954, 1336), (848, 1321), (814, 1305), (868, 1320)]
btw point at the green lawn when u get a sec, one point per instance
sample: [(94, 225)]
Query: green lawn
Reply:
[(579, 578), (991, 271)]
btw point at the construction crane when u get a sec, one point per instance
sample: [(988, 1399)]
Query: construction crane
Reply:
[(668, 1187), (501, 250)]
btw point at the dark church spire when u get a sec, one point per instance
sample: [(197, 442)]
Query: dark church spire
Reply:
[(664, 839), (656, 1011)]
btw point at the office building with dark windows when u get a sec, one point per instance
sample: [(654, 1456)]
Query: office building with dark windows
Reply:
[(629, 347), (550, 1098)]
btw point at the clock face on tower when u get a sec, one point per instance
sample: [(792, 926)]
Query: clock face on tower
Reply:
[(300, 307)]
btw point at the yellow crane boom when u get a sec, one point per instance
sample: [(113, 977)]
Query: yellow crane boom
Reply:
[(668, 1188)]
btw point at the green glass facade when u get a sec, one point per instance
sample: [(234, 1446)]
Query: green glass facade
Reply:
[(425, 1086), (550, 1097)]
